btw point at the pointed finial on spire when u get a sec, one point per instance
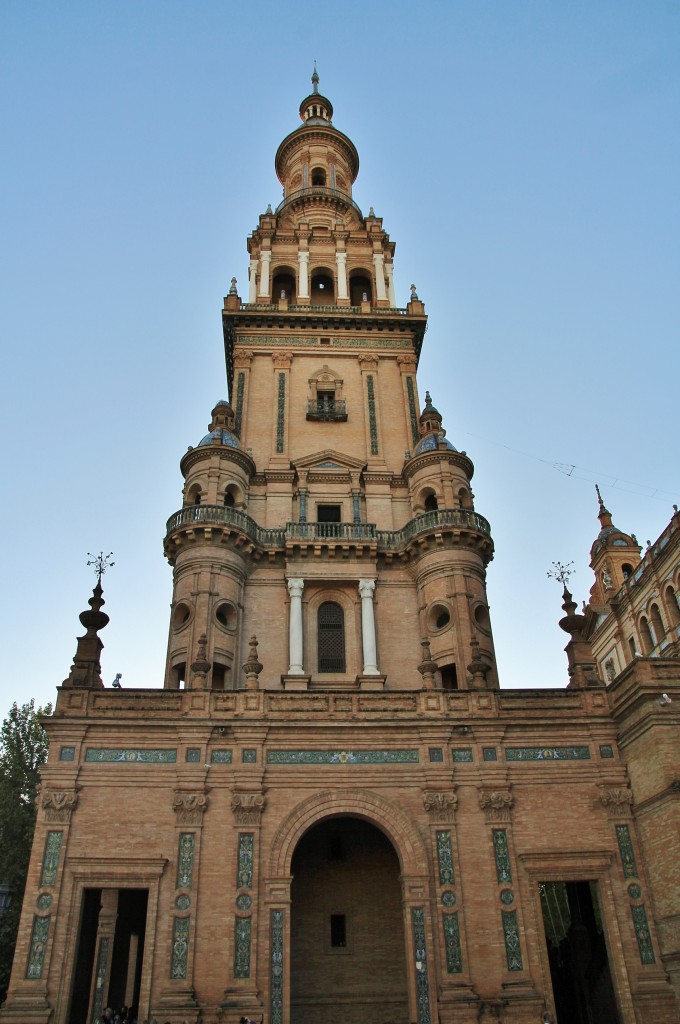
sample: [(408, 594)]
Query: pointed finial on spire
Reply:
[(604, 515), (428, 400), (315, 80), (100, 563)]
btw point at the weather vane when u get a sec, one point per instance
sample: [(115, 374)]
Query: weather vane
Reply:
[(101, 563), (561, 572)]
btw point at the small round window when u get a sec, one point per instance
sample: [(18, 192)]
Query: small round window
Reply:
[(225, 613), (181, 615), (439, 617), (481, 614)]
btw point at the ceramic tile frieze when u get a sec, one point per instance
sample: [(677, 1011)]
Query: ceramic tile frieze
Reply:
[(445, 858), (276, 988), (626, 850), (245, 860), (113, 755), (502, 855), (420, 949), (238, 413), (185, 860), (454, 957), (180, 948), (644, 939), (413, 414), (242, 947), (102, 962), (36, 952), (547, 753), (342, 757), (50, 864), (372, 422), (280, 412), (513, 950)]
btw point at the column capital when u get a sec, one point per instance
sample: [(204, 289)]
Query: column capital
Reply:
[(295, 587), (366, 588)]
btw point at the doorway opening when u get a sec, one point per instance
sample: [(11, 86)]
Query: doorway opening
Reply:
[(579, 966), (119, 962), (347, 955)]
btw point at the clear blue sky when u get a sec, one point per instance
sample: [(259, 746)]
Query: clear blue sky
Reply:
[(525, 159)]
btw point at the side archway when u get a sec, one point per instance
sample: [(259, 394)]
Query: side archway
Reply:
[(355, 803)]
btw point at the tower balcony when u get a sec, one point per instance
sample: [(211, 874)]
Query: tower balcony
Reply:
[(317, 195), (228, 525)]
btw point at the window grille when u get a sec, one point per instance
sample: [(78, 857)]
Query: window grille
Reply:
[(331, 623)]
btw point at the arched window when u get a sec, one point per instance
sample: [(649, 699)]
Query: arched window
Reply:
[(431, 503), (318, 177), (323, 287), (657, 623), (672, 606), (646, 636), (627, 570), (449, 676), (228, 499), (331, 637), (194, 495)]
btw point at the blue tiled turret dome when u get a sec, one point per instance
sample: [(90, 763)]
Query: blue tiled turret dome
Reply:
[(431, 442), (226, 437)]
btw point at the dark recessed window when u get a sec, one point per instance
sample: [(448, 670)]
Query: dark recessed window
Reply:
[(328, 513), (331, 637), (338, 931)]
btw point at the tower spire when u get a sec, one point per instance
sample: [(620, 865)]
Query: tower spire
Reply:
[(315, 80)]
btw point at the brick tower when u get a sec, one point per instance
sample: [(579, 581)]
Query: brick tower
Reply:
[(329, 812), (322, 512)]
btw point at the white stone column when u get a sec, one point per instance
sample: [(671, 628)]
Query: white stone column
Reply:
[(341, 261), (389, 270), (366, 588), (265, 261), (303, 274), (295, 588), (252, 282), (379, 264)]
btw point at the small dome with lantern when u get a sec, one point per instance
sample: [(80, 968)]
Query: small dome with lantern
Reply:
[(221, 427), (432, 433)]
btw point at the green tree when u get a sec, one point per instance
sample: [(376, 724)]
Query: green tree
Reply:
[(23, 749)]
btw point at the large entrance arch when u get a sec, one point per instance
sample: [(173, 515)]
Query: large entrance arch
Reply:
[(347, 948), (356, 848)]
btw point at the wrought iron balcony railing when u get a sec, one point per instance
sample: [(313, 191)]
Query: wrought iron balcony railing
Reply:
[(366, 533), (327, 410)]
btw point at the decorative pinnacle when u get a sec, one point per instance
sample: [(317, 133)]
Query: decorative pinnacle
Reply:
[(101, 563), (315, 80), (561, 573), (599, 496)]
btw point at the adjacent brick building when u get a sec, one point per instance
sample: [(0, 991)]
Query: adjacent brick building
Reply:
[(352, 821)]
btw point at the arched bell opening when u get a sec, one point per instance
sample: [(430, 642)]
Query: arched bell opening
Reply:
[(323, 287), (348, 954), (360, 287), (283, 285), (318, 173)]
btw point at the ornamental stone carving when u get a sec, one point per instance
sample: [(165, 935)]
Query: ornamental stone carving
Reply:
[(617, 800), (189, 807), (248, 807), (441, 806), (496, 804), (58, 805)]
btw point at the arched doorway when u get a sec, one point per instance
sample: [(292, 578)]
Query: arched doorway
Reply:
[(347, 952)]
